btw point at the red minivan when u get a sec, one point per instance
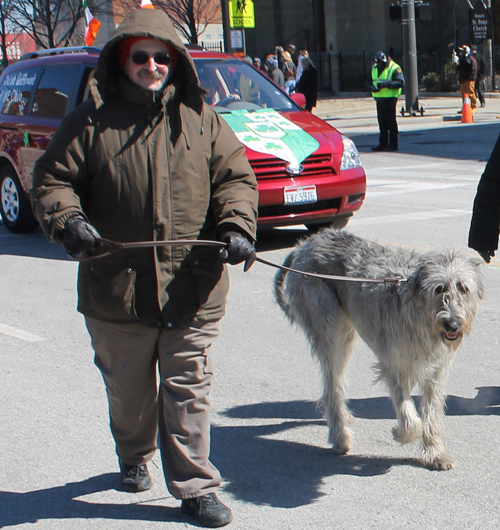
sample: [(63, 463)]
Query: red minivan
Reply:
[(308, 173)]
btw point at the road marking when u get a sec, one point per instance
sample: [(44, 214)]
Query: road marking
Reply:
[(404, 217), (397, 188), (19, 334)]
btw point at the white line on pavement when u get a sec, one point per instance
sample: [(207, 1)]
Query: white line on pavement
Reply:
[(415, 216), (19, 333)]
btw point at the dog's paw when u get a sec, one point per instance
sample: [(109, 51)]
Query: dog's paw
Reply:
[(437, 461), (340, 444), (341, 450), (407, 434)]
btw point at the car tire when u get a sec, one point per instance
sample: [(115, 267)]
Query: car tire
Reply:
[(15, 207), (338, 223)]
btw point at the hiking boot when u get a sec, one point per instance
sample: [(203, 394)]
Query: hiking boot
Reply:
[(392, 148), (208, 510), (135, 478), (379, 148)]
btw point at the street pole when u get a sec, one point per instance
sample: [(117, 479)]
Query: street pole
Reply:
[(225, 24), (489, 45), (410, 56)]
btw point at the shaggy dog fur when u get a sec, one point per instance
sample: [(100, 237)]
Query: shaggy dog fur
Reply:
[(413, 328)]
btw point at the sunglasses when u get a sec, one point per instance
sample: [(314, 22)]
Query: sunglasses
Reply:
[(159, 58)]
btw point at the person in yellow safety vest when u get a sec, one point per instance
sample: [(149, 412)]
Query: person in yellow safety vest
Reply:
[(386, 84)]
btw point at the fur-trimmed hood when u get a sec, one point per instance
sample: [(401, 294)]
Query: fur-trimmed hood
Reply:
[(153, 23)]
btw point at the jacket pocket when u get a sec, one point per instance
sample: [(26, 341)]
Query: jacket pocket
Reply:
[(211, 279), (107, 292)]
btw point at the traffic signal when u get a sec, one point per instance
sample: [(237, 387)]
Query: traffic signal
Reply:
[(422, 11)]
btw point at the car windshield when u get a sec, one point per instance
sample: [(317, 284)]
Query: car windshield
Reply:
[(234, 84)]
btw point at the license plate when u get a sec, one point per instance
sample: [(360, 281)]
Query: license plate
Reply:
[(301, 195)]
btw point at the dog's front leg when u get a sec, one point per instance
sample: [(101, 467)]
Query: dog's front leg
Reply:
[(432, 414), (409, 426)]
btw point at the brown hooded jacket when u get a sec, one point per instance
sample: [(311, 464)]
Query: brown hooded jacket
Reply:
[(143, 165)]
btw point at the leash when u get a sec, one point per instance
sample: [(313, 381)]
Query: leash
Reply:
[(112, 247)]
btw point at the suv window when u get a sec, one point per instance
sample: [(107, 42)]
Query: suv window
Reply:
[(54, 90), (15, 91)]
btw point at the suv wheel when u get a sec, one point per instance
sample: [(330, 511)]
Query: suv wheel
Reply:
[(14, 205)]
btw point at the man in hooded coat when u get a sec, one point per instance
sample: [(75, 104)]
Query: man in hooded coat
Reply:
[(145, 159)]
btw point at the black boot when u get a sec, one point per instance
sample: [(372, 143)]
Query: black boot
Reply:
[(135, 478), (208, 510)]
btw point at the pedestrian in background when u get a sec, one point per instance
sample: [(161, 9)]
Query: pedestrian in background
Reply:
[(467, 74), (146, 159), (308, 83), (485, 222), (291, 49), (303, 53), (289, 71), (481, 72), (386, 84), (274, 72)]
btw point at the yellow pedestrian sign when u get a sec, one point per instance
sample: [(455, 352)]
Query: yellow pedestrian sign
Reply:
[(241, 14)]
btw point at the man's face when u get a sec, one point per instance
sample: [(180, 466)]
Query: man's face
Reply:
[(151, 75)]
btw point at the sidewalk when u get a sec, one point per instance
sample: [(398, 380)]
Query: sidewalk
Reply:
[(436, 107)]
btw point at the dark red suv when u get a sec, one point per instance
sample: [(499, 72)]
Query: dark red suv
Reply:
[(308, 173)]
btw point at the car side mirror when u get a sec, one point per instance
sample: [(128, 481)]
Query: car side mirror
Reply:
[(299, 98)]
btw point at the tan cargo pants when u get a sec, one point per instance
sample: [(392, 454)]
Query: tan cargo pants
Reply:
[(127, 356)]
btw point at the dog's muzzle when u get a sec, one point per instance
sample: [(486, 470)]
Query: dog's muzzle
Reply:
[(451, 331)]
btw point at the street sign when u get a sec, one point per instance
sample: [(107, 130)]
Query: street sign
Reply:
[(241, 14), (480, 23)]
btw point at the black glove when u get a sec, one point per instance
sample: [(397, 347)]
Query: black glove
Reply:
[(486, 254), (238, 249), (79, 236), (375, 88)]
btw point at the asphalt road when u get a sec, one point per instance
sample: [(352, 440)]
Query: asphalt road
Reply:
[(57, 464)]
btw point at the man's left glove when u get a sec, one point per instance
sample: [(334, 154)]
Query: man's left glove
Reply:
[(238, 249), (79, 236)]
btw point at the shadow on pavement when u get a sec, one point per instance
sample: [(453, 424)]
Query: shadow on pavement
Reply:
[(263, 469), (62, 503), (33, 245), (457, 143), (260, 468)]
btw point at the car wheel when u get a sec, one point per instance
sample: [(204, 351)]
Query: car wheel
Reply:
[(15, 207), (337, 223)]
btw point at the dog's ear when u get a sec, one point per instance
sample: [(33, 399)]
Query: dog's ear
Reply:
[(415, 279)]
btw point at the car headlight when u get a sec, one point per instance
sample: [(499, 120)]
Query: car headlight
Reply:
[(350, 156)]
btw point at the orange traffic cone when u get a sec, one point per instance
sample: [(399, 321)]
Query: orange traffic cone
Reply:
[(466, 111)]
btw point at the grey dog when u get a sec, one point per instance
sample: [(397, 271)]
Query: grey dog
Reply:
[(414, 328)]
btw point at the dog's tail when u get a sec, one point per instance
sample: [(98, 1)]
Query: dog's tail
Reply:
[(279, 284)]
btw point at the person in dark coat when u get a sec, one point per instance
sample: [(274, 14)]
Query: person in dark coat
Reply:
[(481, 72), (146, 159), (485, 223), (308, 83), (467, 75)]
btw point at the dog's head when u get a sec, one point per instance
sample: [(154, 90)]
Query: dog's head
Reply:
[(449, 287)]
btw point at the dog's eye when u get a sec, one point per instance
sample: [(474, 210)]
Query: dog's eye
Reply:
[(461, 288), (439, 289)]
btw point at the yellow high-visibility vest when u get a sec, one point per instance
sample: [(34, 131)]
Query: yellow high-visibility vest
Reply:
[(386, 75)]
